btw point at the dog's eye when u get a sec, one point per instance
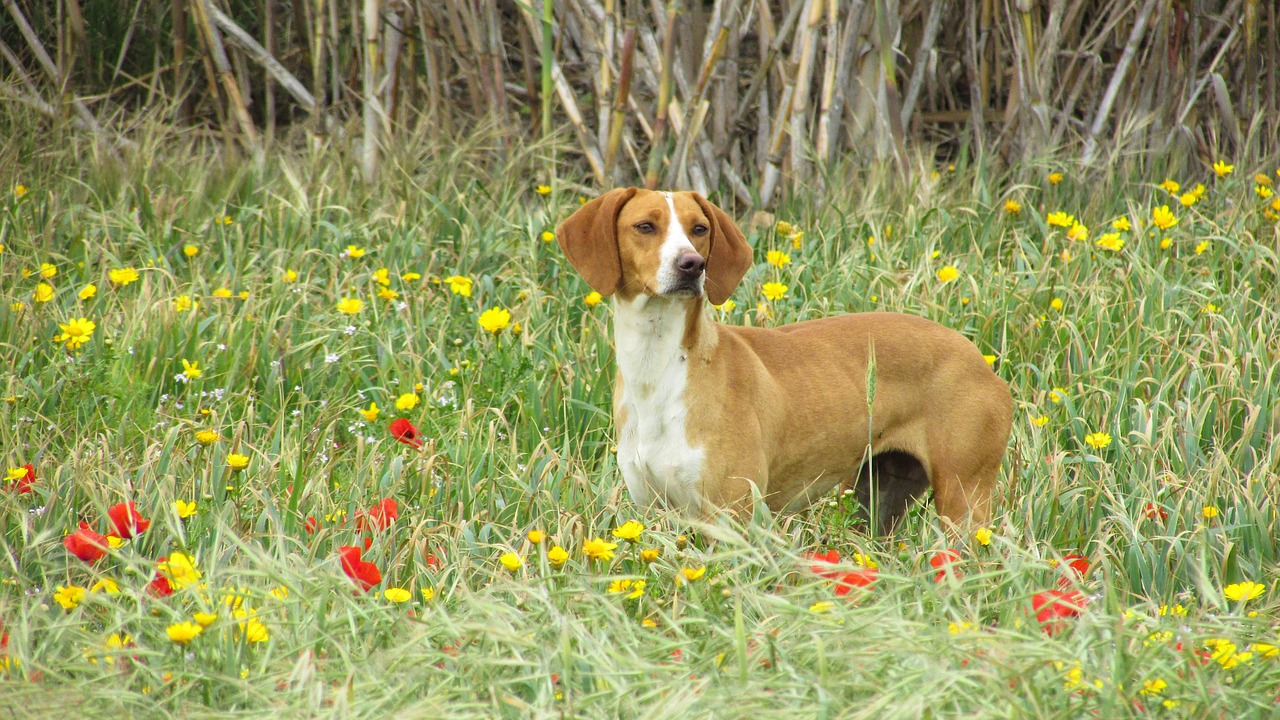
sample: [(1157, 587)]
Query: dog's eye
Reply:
[(700, 230), (645, 228)]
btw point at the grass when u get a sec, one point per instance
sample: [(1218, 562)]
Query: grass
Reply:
[(1171, 351)]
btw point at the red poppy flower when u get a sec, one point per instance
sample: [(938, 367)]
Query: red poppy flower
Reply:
[(127, 519), (1077, 567), (364, 573), (1155, 512), (823, 564), (1054, 607), (86, 544), (380, 516), (312, 524), (22, 485), (861, 578), (405, 432), (944, 561), (432, 561), (160, 586)]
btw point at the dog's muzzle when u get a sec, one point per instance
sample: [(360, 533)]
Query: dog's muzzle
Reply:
[(689, 269)]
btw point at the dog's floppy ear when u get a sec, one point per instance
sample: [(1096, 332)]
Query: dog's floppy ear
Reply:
[(589, 238), (729, 257)]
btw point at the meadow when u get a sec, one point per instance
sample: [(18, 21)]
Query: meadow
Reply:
[(278, 443)]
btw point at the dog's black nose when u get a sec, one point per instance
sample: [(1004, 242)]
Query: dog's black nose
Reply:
[(691, 264)]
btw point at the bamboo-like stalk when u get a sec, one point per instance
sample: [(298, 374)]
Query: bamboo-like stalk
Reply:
[(621, 96), (237, 36), (807, 38), (371, 140), (268, 86), (1122, 67), (222, 66), (927, 40), (548, 58), (664, 103), (834, 114)]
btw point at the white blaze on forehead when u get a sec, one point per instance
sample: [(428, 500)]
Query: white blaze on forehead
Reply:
[(675, 242)]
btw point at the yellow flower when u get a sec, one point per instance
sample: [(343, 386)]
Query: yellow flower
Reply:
[(593, 298), (222, 292), (784, 228), (774, 290), (777, 258), (75, 332), (459, 285), (16, 306), (1263, 191), (822, 606), (411, 276), (388, 294), (865, 561), (1266, 650), (191, 369), (204, 619), (494, 320), (983, 535), (19, 190), (122, 276), (1110, 241), (726, 307), (397, 595), (184, 508), (991, 360), (372, 413), (1057, 303), (1199, 191), (1244, 591), (1170, 187), (406, 402), (237, 462), (382, 276), (650, 555), (106, 585), (557, 556), (956, 628), (1153, 687), (630, 530), (253, 629), (280, 593), (1078, 232), (1097, 440), (1055, 178), (48, 270), (511, 561), (1204, 245), (548, 236), (1163, 217), (1122, 224), (797, 239), (1222, 168), (1040, 420), (1188, 199), (226, 220), (947, 274), (689, 575), (207, 437), (69, 597), (427, 592), (1056, 395), (1224, 653), (1060, 219), (1210, 308), (180, 569), (182, 303), (350, 306), (183, 632), (88, 291), (1165, 243), (44, 293), (190, 250), (1012, 207), (354, 252), (1209, 512), (289, 276), (598, 549), (536, 536), (543, 189)]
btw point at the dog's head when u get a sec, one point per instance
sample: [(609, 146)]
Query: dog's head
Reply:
[(633, 242)]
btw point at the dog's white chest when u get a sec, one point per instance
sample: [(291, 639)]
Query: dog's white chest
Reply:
[(654, 453)]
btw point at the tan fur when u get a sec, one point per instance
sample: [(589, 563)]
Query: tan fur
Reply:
[(785, 409)]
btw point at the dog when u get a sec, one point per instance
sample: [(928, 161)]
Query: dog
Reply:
[(706, 412)]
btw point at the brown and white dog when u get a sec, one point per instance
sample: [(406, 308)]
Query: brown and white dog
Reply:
[(705, 411)]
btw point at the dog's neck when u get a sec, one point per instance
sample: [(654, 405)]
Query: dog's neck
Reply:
[(652, 331)]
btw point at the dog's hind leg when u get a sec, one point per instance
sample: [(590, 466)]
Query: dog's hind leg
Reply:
[(887, 485)]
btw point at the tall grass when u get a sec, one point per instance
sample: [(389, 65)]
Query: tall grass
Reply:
[(1172, 351)]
